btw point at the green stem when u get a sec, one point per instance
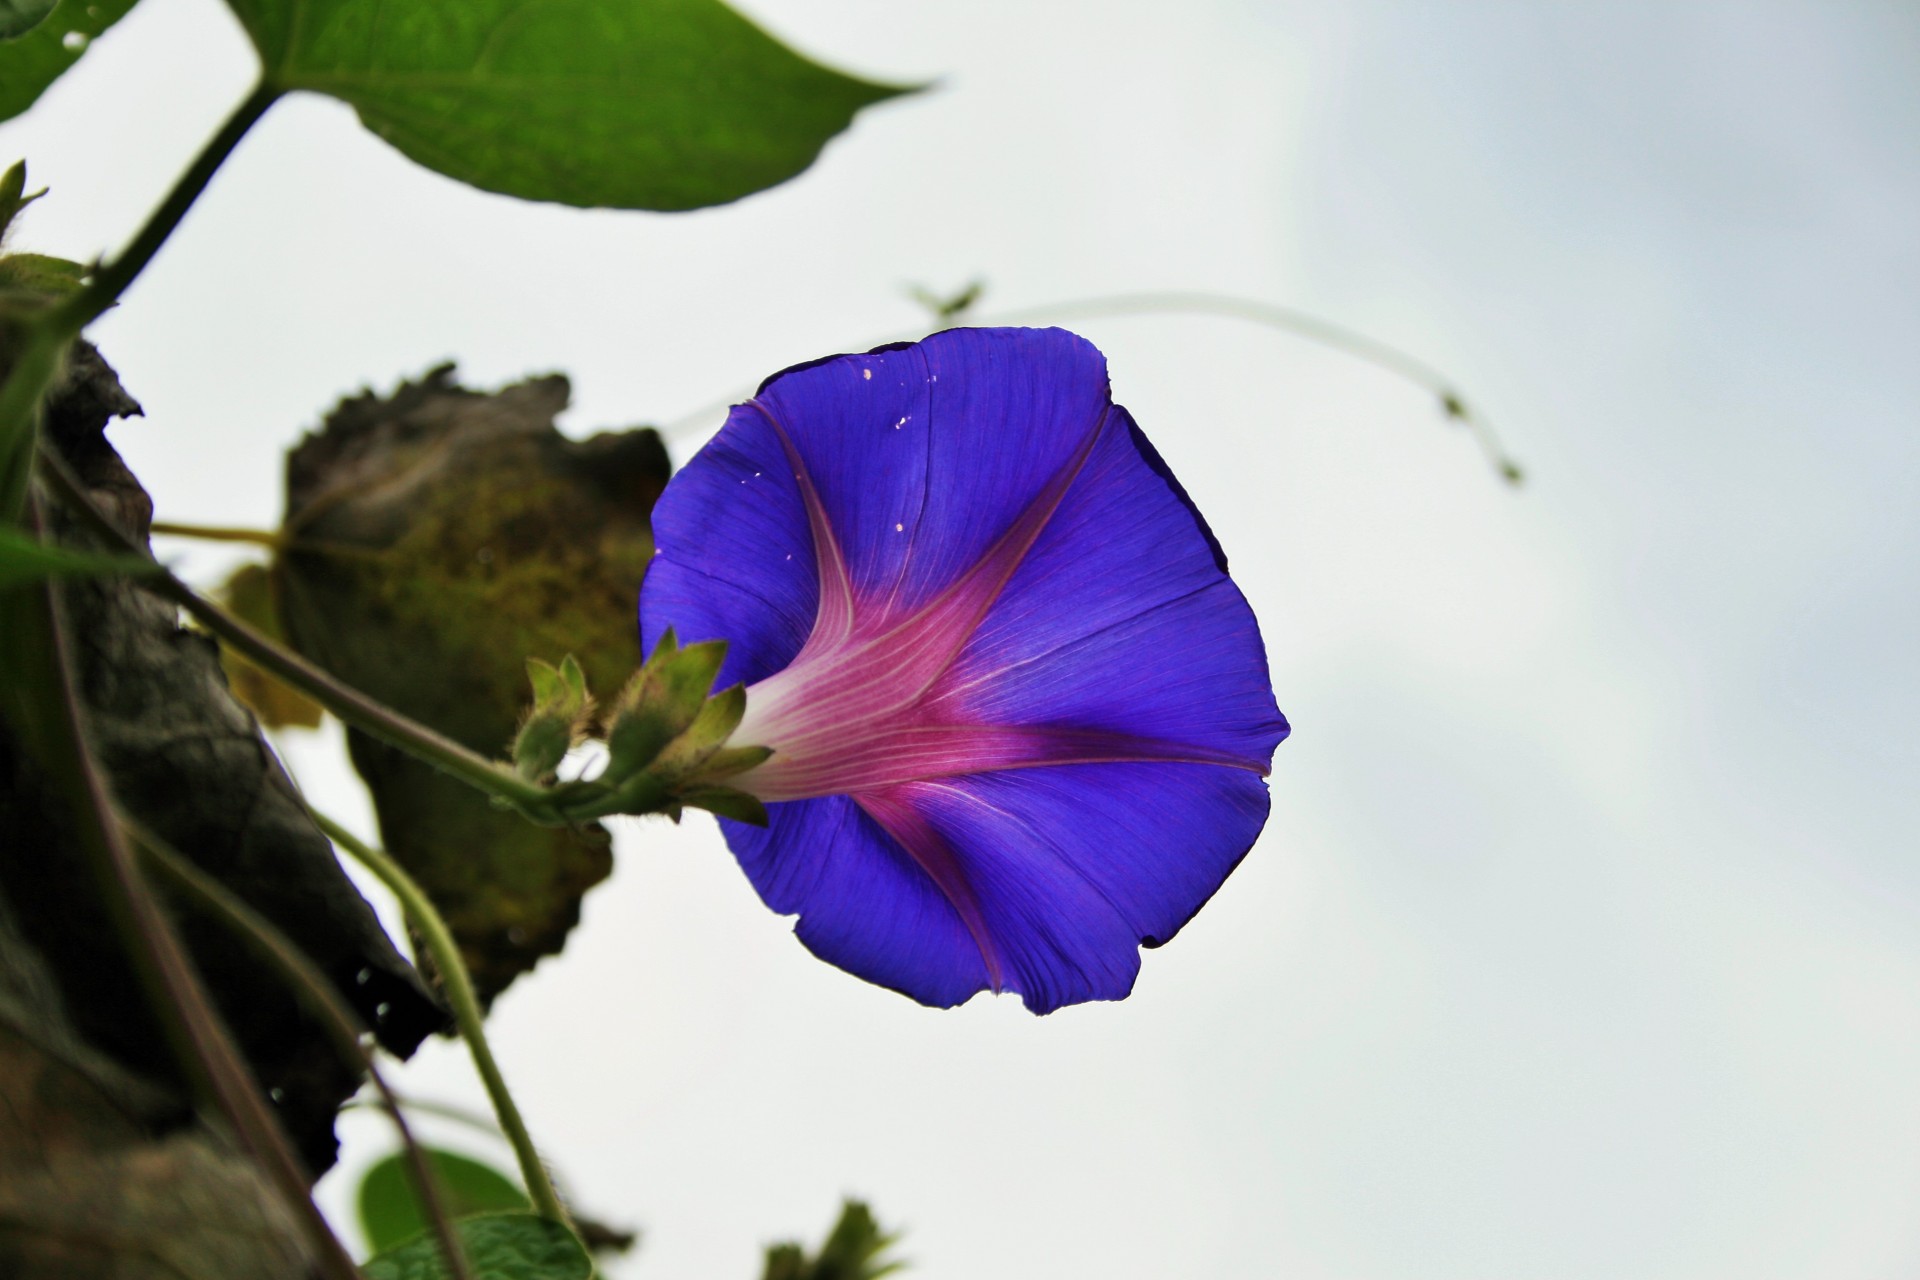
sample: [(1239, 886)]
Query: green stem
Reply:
[(48, 333), (425, 917), (112, 278), (324, 1005), (34, 367), (345, 701)]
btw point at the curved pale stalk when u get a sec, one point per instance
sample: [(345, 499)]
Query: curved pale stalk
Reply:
[(425, 917)]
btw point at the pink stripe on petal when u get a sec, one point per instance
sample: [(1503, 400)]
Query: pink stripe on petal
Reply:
[(862, 674), (835, 619), (926, 846), (890, 754)]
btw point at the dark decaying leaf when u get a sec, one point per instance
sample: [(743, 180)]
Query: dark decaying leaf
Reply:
[(438, 538), (103, 1175), (35, 60), (500, 1246), (639, 104), (187, 762)]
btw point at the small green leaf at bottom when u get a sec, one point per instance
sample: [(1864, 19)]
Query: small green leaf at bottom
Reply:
[(500, 1246), (390, 1211)]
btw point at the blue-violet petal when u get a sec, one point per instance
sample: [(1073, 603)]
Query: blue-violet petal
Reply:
[(1020, 715)]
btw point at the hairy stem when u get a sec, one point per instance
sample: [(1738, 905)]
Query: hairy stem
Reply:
[(425, 917), (48, 332), (345, 701), (349, 1035), (113, 277)]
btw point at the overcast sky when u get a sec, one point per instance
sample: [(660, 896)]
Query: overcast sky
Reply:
[(1583, 940)]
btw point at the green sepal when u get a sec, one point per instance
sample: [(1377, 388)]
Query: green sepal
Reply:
[(642, 793), (545, 679), (554, 724), (728, 803), (540, 746), (661, 702), (564, 688), (666, 740), (728, 761), (13, 185), (681, 760)]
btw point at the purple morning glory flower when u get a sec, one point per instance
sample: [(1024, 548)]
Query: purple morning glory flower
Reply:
[(1020, 715)]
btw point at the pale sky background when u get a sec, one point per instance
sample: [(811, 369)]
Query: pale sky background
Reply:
[(1583, 940)]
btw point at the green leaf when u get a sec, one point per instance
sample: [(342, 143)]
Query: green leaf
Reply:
[(390, 1212), (25, 559), (17, 17), (501, 1246), (632, 104), (31, 62)]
